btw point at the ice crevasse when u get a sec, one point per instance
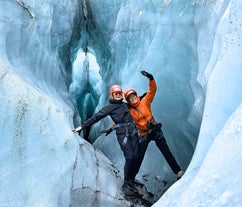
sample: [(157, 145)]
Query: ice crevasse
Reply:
[(57, 62)]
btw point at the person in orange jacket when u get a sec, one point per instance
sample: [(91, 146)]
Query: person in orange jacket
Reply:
[(148, 128)]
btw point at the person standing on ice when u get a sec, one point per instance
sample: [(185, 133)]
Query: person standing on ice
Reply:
[(126, 133), (148, 128)]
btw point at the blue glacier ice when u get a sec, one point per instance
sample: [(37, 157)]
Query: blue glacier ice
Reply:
[(57, 62)]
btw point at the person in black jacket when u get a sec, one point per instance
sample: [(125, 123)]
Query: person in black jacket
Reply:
[(126, 132)]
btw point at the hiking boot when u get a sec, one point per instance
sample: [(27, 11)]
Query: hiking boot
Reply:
[(132, 186), (138, 183), (179, 174), (127, 190)]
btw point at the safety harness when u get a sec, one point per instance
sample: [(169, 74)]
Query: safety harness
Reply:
[(119, 125), (147, 131)]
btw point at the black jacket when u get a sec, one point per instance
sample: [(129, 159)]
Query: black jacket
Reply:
[(119, 113)]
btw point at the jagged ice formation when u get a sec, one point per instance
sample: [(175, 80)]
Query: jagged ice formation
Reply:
[(57, 62)]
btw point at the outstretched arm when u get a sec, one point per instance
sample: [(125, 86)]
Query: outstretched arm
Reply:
[(95, 118), (152, 87)]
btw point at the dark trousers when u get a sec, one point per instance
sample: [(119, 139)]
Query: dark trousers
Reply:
[(129, 146), (157, 136)]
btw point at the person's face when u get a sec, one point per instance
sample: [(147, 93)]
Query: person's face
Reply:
[(133, 98), (118, 95)]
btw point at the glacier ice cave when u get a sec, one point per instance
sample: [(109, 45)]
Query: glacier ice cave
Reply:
[(57, 62)]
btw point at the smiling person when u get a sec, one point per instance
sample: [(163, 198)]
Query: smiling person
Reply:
[(126, 133), (148, 128)]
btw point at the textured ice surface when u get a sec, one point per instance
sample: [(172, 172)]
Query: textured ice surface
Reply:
[(193, 49)]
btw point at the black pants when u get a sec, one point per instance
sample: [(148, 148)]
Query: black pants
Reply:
[(158, 137), (129, 147)]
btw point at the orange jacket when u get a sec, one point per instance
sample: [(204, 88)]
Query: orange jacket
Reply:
[(141, 111)]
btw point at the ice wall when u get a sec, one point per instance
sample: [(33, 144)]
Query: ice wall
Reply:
[(177, 42), (213, 177), (41, 162), (160, 37)]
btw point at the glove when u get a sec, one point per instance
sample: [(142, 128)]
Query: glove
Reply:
[(107, 132), (78, 129), (148, 75)]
